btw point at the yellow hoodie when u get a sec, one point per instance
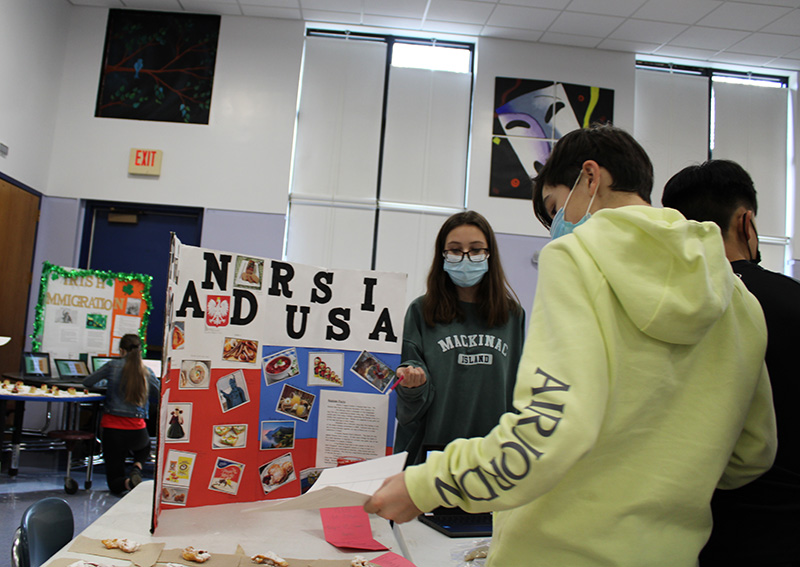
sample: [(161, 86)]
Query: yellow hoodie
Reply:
[(641, 388)]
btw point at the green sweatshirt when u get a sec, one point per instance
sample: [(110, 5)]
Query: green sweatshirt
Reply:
[(642, 387), (471, 370)]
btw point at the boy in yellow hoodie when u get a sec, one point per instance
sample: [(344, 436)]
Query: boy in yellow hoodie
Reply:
[(642, 384)]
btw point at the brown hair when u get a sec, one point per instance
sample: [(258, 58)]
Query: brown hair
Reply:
[(496, 299), (134, 379)]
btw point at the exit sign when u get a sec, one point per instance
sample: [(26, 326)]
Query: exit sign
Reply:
[(145, 162)]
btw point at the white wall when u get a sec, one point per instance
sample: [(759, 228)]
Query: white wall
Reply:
[(239, 161), (32, 38), (506, 58)]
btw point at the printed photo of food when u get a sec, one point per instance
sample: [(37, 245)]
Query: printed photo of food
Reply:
[(249, 272), (229, 436), (240, 350), (295, 402), (373, 371), (326, 369), (277, 435), (276, 473), (178, 337), (279, 366), (174, 495), (195, 374)]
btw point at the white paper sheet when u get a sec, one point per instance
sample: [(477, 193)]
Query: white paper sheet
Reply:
[(350, 485)]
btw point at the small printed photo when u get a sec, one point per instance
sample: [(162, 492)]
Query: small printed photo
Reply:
[(373, 371), (229, 436), (295, 402), (174, 495), (279, 366), (195, 375), (178, 337), (240, 350), (308, 477), (232, 390), (133, 306), (96, 321), (66, 316), (226, 476), (277, 435), (276, 473), (326, 369), (249, 272), (178, 468), (179, 423)]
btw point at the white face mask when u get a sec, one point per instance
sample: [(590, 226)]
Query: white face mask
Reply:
[(561, 226)]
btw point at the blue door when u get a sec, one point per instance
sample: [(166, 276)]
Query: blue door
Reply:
[(130, 238)]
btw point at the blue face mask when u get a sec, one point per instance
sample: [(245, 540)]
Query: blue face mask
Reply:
[(466, 273), (561, 226)]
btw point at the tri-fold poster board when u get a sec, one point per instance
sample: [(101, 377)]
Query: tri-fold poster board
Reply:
[(274, 371)]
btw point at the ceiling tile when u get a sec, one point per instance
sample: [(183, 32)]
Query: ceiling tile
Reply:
[(392, 22), (327, 5), (272, 3), (791, 64), (787, 3), (522, 17), (553, 4), (167, 5), (647, 31), (570, 40), (741, 59), (585, 24), (622, 8), (708, 38), (677, 11), (452, 27), (788, 24), (213, 7), (628, 46), (459, 11), (405, 9), (685, 52), (741, 16), (767, 44), (511, 33), (101, 3), (328, 16), (271, 12)]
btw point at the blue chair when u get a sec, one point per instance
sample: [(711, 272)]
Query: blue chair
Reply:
[(46, 527)]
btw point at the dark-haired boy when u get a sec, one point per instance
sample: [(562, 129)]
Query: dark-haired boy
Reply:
[(641, 387), (759, 523)]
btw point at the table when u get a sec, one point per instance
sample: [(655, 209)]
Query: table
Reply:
[(296, 533), (19, 413), (425, 547)]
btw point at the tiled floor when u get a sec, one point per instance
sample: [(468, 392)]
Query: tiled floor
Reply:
[(41, 474)]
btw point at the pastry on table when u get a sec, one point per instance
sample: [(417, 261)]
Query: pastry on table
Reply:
[(196, 555), (359, 561), (126, 545), (269, 558)]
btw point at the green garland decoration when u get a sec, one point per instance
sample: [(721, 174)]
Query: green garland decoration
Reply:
[(53, 272)]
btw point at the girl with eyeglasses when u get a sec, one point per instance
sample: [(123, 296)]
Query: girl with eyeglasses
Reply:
[(462, 342)]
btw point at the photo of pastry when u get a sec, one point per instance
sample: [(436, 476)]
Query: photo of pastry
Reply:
[(308, 477), (276, 473), (232, 436), (326, 369), (226, 476), (277, 435), (373, 371), (240, 350), (279, 366), (178, 468), (295, 402), (249, 272), (195, 374), (232, 390), (174, 495), (178, 338)]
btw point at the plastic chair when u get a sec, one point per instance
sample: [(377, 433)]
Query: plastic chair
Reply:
[(71, 438), (46, 527)]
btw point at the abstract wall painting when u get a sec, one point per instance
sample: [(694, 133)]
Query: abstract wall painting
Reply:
[(158, 66), (529, 117)]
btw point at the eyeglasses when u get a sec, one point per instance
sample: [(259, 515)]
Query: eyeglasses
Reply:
[(474, 255)]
